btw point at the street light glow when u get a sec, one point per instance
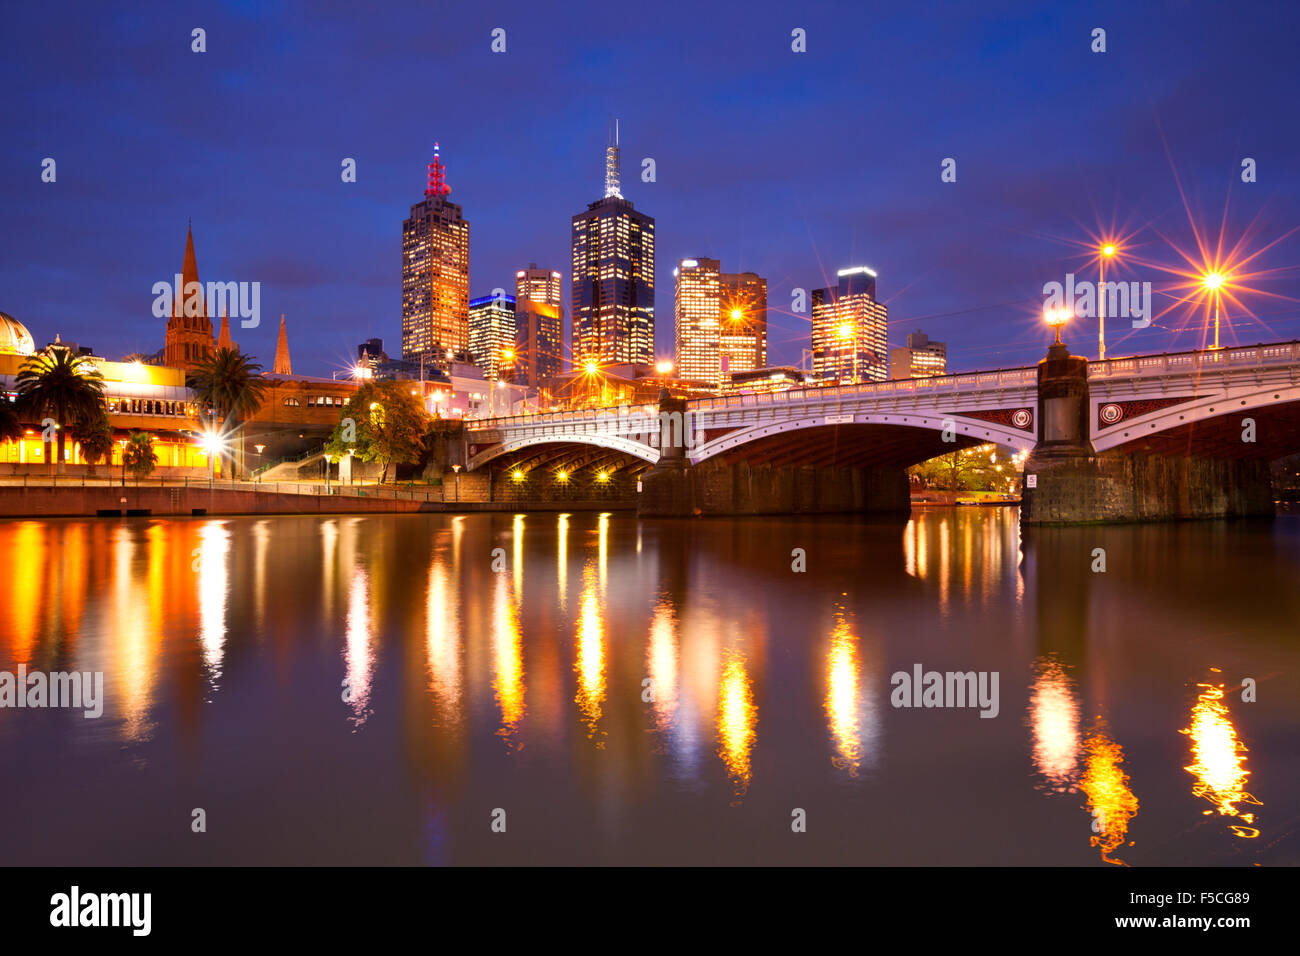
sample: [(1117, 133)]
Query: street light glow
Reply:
[(1212, 280), (1108, 250)]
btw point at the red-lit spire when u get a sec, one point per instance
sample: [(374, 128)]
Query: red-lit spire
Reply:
[(437, 177)]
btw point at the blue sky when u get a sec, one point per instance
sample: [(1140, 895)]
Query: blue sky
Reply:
[(788, 164)]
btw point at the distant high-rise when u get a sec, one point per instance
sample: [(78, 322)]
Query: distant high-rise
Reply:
[(696, 306), (613, 277), (849, 330), (742, 324), (721, 322), (492, 334), (189, 330), (919, 359), (538, 285), (539, 342), (435, 274)]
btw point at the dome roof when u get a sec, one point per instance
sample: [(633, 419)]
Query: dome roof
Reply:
[(14, 337)]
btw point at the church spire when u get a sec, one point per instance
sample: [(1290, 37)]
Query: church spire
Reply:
[(189, 273), (282, 365), (223, 340)]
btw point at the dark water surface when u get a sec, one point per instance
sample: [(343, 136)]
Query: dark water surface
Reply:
[(372, 690)]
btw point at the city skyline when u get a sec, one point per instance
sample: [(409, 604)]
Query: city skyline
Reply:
[(964, 261)]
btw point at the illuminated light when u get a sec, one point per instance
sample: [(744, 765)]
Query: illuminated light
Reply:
[(737, 315), (689, 263), (602, 476), (508, 354), (856, 270), (561, 476), (590, 367), (517, 475), (1212, 280), (1111, 801), (846, 331), (1219, 758), (555, 275), (519, 275), (663, 368), (1108, 250)]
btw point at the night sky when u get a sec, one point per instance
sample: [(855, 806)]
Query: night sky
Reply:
[(788, 164)]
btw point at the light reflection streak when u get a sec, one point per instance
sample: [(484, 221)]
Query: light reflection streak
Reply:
[(507, 660), (1110, 800), (1218, 760), (359, 656), (843, 700), (213, 581), (737, 720), (590, 664), (1054, 719)]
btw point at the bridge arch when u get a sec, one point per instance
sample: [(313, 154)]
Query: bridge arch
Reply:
[(608, 442), (970, 431)]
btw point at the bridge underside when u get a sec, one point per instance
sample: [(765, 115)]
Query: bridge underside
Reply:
[(847, 446), (1275, 434)]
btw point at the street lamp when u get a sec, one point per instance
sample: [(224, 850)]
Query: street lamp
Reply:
[(1107, 252), (1057, 318), (1212, 281), (456, 469)]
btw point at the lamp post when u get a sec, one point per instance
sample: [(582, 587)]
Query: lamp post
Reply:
[(1212, 281), (259, 461), (1107, 252), (456, 469)]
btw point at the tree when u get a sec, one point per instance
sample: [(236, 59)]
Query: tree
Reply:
[(382, 422), (11, 427), (96, 437), (59, 385), (138, 456), (231, 383), (968, 469)]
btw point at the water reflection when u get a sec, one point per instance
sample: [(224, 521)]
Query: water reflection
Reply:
[(1110, 801), (484, 681), (1218, 760), (1054, 718)]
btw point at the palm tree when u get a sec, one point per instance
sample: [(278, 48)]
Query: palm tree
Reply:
[(138, 456), (59, 385), (10, 425), (96, 438), (231, 383)]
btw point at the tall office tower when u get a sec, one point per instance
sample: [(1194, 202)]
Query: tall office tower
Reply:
[(920, 359), (742, 324), (849, 330), (613, 277), (435, 274), (696, 308), (539, 342), (188, 339), (538, 285), (492, 334)]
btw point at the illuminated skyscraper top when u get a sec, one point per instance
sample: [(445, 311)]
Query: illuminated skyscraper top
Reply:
[(435, 274), (612, 167), (613, 285)]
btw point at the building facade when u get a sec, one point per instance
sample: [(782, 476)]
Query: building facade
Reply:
[(539, 342), (613, 262), (742, 324), (492, 334), (849, 330), (697, 302), (435, 274), (920, 358), (538, 285)]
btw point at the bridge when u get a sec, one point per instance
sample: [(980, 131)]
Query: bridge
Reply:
[(1199, 419)]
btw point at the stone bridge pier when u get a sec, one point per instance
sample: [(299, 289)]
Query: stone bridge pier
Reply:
[(724, 485), (1066, 481)]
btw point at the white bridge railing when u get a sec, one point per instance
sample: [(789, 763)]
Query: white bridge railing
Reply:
[(1205, 360)]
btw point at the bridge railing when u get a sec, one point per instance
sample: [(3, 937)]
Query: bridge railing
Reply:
[(1278, 353)]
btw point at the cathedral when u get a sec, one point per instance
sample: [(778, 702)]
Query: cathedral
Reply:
[(189, 337)]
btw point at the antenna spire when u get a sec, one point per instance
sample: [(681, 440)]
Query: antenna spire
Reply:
[(437, 185), (612, 167)]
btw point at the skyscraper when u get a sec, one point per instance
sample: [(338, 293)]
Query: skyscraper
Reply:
[(742, 323), (492, 334), (696, 304), (538, 285), (613, 277), (849, 330), (721, 321), (919, 359), (435, 274), (189, 330)]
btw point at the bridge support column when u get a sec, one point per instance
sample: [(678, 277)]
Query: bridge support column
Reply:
[(665, 492), (1066, 482)]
